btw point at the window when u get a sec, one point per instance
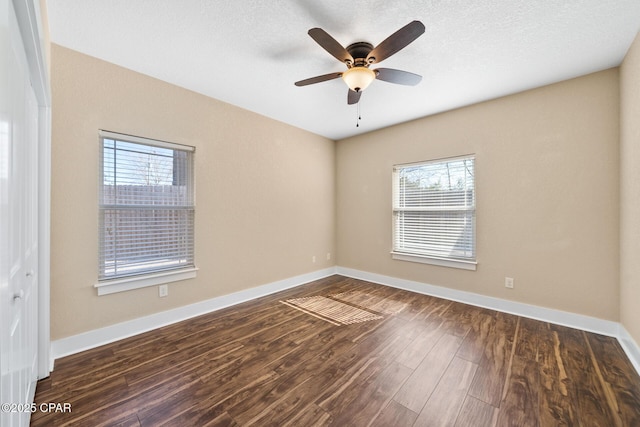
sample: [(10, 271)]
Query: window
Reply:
[(146, 206), (434, 206)]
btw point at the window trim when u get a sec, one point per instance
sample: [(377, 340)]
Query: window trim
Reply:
[(443, 262), (153, 278), (105, 134), (465, 264), (106, 287)]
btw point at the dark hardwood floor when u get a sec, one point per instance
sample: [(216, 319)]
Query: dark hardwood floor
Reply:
[(426, 362)]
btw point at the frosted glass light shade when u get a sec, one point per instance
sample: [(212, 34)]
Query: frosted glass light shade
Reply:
[(358, 78)]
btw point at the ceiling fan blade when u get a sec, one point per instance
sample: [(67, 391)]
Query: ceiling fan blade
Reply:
[(397, 76), (353, 97), (329, 44), (396, 41), (318, 79)]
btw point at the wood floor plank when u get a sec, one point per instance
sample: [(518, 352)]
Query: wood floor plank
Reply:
[(328, 346), (345, 389), (477, 413), (619, 376), (248, 360), (473, 346), (591, 403), (422, 345), (556, 397), (338, 396), (418, 388), (416, 305), (210, 416), (374, 395), (82, 364), (519, 406), (299, 385), (284, 407), (488, 383), (222, 420), (91, 400), (444, 405), (223, 375), (528, 339), (435, 311), (394, 414), (459, 318), (202, 403), (157, 399), (132, 421), (311, 415), (269, 319), (296, 367), (262, 363), (181, 362)]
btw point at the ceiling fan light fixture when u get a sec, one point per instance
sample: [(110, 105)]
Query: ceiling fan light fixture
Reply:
[(358, 78)]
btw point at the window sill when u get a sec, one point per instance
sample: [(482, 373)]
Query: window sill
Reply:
[(135, 282), (443, 262)]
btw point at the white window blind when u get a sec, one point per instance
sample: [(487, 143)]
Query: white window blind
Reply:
[(146, 205), (434, 207)]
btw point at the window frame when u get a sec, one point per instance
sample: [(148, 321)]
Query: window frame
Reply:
[(158, 276), (466, 263)]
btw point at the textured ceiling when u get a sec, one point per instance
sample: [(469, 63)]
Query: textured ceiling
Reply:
[(250, 52)]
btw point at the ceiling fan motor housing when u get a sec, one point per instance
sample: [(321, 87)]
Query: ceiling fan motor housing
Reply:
[(359, 51)]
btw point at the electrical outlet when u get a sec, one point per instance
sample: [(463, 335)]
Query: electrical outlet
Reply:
[(508, 282), (313, 259), (163, 290), (328, 256)]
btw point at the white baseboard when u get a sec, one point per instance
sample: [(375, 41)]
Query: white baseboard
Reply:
[(97, 337), (578, 321), (630, 347)]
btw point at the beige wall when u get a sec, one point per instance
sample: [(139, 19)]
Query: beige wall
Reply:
[(630, 191), (265, 191), (547, 168), (270, 196)]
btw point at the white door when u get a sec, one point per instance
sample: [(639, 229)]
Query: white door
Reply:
[(18, 226)]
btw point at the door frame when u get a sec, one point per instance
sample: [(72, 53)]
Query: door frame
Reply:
[(31, 17)]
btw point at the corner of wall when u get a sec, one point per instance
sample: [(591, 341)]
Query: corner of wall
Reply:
[(629, 202)]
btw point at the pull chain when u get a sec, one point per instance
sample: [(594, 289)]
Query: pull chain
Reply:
[(359, 116)]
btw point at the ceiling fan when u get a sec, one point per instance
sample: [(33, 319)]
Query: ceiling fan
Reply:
[(360, 55)]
